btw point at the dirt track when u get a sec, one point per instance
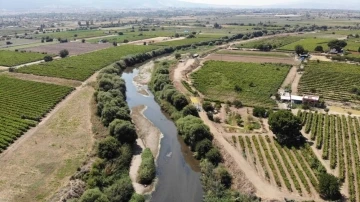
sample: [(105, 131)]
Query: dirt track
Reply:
[(255, 59)]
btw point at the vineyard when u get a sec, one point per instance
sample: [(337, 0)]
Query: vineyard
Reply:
[(251, 83), (23, 104), (338, 139), (11, 58), (275, 42), (190, 41), (333, 81), (82, 66), (308, 44), (291, 169)]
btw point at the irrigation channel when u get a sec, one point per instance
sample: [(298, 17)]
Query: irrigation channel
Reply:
[(177, 171)]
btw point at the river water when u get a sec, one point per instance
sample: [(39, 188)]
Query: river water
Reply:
[(177, 171)]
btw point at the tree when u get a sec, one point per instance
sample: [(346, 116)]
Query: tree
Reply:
[(329, 187), (299, 49), (123, 131), (224, 176), (179, 101), (120, 191), (93, 195), (203, 147), (190, 110), (147, 170), (337, 44), (114, 43), (259, 112), (120, 33), (137, 198), (217, 26), (319, 49), (177, 35), (285, 126), (63, 53), (359, 50), (48, 58), (83, 41), (214, 156), (108, 148)]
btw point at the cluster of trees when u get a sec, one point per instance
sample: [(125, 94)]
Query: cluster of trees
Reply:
[(264, 47), (337, 45), (46, 39), (147, 170), (108, 179)]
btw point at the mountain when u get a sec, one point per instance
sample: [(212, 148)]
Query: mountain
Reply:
[(20, 5)]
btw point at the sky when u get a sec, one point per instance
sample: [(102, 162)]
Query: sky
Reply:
[(242, 2)]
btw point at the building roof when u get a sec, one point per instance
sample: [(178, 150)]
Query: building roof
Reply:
[(311, 97), (293, 97)]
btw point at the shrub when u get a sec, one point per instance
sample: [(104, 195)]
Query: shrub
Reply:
[(210, 115), (147, 171), (224, 176), (48, 58), (214, 156), (319, 49), (203, 147), (190, 110), (108, 148), (177, 56), (137, 198), (329, 187), (207, 106), (237, 103), (123, 131), (63, 53), (120, 191), (83, 41), (93, 195), (260, 112)]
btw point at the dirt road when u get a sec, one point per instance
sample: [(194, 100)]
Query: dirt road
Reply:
[(42, 160)]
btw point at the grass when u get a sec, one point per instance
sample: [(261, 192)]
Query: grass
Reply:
[(257, 82), (276, 42), (331, 80), (12, 58), (255, 53), (83, 66), (308, 44), (353, 44)]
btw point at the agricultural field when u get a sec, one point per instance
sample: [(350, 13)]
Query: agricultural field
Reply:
[(336, 137), (77, 34), (74, 48), (308, 44), (17, 42), (332, 81), (275, 42), (252, 83), (12, 58), (255, 53), (353, 44), (198, 39), (287, 168), (83, 66), (23, 104)]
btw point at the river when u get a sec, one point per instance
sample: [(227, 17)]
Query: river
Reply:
[(178, 173)]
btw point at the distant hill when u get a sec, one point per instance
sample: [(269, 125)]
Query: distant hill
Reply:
[(18, 5)]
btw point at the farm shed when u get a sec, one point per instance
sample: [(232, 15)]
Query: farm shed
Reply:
[(286, 97), (311, 99)]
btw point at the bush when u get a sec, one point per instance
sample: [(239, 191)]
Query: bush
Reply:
[(237, 103), (190, 110), (123, 131), (260, 112), (137, 198), (48, 58), (63, 53), (147, 171), (203, 147), (83, 41), (108, 148), (319, 49), (177, 56), (179, 101), (120, 191), (214, 156), (224, 176), (207, 106), (210, 115), (93, 195)]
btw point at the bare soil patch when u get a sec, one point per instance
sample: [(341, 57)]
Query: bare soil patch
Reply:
[(155, 40), (255, 59), (320, 58), (2, 68), (44, 79), (144, 75), (41, 161), (74, 48)]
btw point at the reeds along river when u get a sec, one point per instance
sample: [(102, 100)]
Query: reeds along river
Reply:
[(178, 173)]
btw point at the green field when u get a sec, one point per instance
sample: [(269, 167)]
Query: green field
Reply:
[(71, 34), (308, 43), (332, 81), (12, 58), (353, 44), (83, 66), (258, 82), (184, 42), (23, 104), (276, 42), (255, 53)]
